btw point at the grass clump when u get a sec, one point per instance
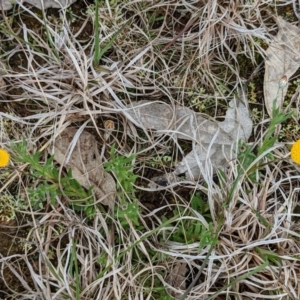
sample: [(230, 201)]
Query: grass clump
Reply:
[(235, 232)]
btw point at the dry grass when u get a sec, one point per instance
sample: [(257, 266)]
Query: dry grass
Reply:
[(168, 51)]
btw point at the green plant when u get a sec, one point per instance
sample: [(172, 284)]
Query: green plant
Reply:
[(74, 269), (247, 157), (157, 289), (160, 161), (270, 138), (98, 52), (71, 16), (252, 92), (50, 37), (9, 206), (48, 182), (121, 166), (201, 206), (191, 230), (197, 100), (256, 114), (289, 131)]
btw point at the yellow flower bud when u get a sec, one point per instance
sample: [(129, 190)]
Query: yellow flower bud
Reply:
[(4, 158), (295, 152)]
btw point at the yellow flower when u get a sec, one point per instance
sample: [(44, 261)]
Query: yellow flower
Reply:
[(295, 152), (4, 158)]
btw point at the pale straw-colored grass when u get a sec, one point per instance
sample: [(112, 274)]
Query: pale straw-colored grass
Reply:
[(196, 45)]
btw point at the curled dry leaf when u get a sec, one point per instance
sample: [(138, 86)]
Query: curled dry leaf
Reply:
[(211, 139), (183, 122), (282, 61), (86, 164), (237, 126)]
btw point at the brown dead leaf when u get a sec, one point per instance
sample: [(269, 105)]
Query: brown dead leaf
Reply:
[(283, 60), (86, 164)]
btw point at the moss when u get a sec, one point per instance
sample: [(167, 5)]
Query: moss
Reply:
[(7, 209), (9, 206)]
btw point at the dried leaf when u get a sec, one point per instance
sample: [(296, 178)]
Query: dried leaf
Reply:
[(237, 124), (283, 60), (86, 164), (184, 122), (41, 4), (50, 3), (5, 4), (211, 139)]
